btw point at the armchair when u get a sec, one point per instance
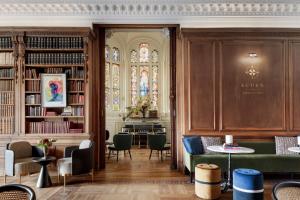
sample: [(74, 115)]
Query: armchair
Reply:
[(122, 142), (157, 142), (77, 160), (18, 159)]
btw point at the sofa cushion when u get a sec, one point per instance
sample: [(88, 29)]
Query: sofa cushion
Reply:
[(210, 141), (21, 149), (261, 147), (193, 145), (283, 143), (261, 162), (25, 166)]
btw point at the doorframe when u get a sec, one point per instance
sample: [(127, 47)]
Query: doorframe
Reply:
[(98, 99)]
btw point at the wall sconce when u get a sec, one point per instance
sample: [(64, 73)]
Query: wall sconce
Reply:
[(251, 71)]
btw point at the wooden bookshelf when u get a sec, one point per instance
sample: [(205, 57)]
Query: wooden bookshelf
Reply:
[(7, 85), (55, 54)]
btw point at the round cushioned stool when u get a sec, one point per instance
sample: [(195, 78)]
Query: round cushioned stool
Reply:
[(207, 181), (248, 184)]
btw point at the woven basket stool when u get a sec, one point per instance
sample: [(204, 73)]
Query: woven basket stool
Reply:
[(248, 184), (207, 181)]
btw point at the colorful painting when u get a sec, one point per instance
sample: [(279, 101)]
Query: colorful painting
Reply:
[(53, 90)]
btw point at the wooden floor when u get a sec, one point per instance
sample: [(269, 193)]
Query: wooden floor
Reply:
[(137, 179)]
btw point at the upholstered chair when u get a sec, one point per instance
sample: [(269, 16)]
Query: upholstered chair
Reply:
[(122, 142), (157, 142), (77, 160), (18, 159), (17, 191)]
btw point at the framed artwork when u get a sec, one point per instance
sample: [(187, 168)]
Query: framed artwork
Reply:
[(53, 90)]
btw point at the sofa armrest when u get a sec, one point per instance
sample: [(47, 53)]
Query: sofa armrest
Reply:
[(9, 162), (187, 159), (82, 161), (68, 151)]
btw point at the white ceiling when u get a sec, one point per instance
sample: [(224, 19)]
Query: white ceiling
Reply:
[(187, 13)]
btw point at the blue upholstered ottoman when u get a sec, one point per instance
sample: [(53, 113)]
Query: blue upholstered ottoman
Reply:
[(248, 184)]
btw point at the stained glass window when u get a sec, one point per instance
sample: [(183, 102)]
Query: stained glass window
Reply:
[(144, 80), (144, 73), (112, 78), (116, 87), (155, 87), (144, 52), (133, 85), (154, 56), (107, 52), (115, 54), (107, 84), (133, 56)]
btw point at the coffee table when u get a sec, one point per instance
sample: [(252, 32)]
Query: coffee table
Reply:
[(44, 179), (235, 150), (294, 149)]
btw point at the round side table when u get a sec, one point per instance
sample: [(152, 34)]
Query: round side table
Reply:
[(229, 151), (44, 179)]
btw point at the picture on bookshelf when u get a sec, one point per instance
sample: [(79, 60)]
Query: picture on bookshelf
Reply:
[(53, 90)]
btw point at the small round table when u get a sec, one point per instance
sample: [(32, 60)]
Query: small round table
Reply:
[(294, 149), (44, 179), (229, 151)]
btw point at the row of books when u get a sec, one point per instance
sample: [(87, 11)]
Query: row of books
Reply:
[(7, 98), (5, 43), (54, 42), (49, 127), (77, 111), (35, 111), (6, 58), (7, 85), (76, 85), (33, 85), (75, 98), (7, 111), (55, 58), (74, 72), (33, 99), (7, 125), (7, 73)]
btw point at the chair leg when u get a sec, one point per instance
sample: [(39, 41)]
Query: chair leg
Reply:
[(20, 179), (117, 156), (109, 154), (92, 175), (129, 154), (124, 153), (4, 178), (161, 156), (150, 154), (65, 179)]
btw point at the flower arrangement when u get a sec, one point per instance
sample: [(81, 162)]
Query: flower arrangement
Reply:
[(143, 104), (44, 143)]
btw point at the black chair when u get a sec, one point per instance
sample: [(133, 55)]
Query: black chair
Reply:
[(122, 142), (157, 142), (287, 190), (16, 192)]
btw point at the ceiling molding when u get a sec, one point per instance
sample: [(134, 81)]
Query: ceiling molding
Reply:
[(150, 11)]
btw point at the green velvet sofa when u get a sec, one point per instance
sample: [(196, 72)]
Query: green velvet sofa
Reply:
[(264, 159)]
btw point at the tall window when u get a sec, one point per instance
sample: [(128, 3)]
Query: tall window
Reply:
[(144, 62), (112, 78)]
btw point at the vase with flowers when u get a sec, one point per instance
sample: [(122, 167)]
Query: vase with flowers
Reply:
[(44, 144), (143, 105)]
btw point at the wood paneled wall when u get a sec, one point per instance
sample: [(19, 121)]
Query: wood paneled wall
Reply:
[(228, 91)]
